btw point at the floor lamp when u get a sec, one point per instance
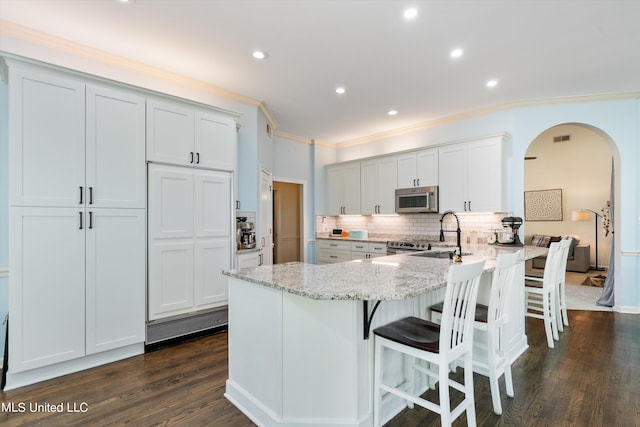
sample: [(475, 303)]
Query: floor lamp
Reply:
[(583, 215)]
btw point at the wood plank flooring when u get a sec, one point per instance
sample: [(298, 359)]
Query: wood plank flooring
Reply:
[(591, 378)]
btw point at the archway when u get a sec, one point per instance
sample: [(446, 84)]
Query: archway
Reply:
[(576, 159)]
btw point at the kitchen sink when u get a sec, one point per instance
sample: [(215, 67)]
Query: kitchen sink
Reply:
[(438, 254)]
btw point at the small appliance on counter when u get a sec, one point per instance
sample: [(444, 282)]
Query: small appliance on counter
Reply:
[(245, 233), (510, 236), (336, 232)]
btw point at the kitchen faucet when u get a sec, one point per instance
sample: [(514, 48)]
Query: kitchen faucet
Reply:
[(458, 242)]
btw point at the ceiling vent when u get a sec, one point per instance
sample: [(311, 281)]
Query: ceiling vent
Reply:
[(562, 138)]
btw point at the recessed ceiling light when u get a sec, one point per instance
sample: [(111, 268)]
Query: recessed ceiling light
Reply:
[(456, 53), (410, 13), (392, 112), (492, 83), (340, 90), (258, 54)]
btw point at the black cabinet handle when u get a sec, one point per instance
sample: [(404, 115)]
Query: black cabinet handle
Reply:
[(90, 195), (80, 220), (465, 206), (80, 194), (191, 157), (90, 220), (469, 205), (197, 158)]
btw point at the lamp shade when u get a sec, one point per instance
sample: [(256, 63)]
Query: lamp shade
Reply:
[(580, 216)]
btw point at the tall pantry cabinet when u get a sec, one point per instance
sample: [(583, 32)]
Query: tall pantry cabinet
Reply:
[(191, 154), (77, 223)]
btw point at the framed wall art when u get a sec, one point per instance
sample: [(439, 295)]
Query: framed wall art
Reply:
[(543, 205)]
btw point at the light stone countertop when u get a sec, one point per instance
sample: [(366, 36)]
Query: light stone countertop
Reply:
[(383, 278)]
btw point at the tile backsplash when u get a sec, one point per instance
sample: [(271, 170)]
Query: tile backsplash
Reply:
[(475, 227)]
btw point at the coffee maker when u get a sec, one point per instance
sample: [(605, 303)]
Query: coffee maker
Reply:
[(511, 225), (245, 233)]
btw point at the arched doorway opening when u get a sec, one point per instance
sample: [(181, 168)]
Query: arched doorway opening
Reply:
[(576, 159)]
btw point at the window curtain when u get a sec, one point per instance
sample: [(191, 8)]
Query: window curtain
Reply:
[(607, 297)]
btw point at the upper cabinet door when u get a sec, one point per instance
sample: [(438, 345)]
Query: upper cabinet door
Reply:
[(47, 138), (427, 167), (215, 141), (115, 149), (170, 132), (453, 178)]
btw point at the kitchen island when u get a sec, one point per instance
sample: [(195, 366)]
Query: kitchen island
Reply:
[(299, 352)]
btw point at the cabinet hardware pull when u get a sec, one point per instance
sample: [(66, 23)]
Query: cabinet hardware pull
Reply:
[(237, 204), (80, 194), (469, 205), (465, 206), (80, 220), (197, 158), (90, 220), (90, 195), (191, 157), (418, 181)]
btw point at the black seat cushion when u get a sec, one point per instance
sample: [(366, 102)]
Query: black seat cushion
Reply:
[(482, 311), (412, 332)]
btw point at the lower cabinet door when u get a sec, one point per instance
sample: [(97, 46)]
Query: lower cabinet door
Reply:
[(170, 278), (211, 257), (47, 289), (115, 278)]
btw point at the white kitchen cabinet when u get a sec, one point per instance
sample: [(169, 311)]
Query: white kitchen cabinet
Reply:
[(248, 259), (343, 189), (183, 134), (378, 185), (418, 168), (368, 250), (66, 137), (115, 277), (81, 275), (47, 287), (115, 136), (46, 137), (190, 223), (77, 220), (330, 251), (472, 176)]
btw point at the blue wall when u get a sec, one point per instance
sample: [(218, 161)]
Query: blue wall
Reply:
[(4, 210)]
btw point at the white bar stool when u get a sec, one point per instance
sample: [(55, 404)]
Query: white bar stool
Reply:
[(437, 345), (541, 294), (492, 319)]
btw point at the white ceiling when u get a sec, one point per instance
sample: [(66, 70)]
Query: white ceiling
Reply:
[(535, 49)]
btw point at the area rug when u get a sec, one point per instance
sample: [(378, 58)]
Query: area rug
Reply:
[(583, 297)]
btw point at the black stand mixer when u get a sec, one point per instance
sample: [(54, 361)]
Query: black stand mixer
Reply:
[(513, 223)]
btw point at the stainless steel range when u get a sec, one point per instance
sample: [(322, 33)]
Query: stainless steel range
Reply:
[(402, 247)]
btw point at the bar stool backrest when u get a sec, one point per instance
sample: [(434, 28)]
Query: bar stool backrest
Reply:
[(458, 311)]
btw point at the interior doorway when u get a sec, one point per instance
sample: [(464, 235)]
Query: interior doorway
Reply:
[(287, 222)]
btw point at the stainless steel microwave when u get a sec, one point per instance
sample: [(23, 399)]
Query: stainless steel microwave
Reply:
[(417, 199)]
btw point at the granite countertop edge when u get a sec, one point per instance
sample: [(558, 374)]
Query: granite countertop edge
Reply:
[(384, 278)]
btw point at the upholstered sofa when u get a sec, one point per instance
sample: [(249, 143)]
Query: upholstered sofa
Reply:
[(579, 253)]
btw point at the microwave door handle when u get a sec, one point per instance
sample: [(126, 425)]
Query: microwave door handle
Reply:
[(428, 201)]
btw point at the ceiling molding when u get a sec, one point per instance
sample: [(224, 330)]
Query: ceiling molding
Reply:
[(263, 108), (26, 34), (488, 110), (295, 138)]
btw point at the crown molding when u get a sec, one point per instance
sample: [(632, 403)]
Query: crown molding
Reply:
[(489, 110), (292, 137), (10, 29), (263, 108)]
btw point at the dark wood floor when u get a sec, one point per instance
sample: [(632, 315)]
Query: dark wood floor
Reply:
[(591, 378)]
